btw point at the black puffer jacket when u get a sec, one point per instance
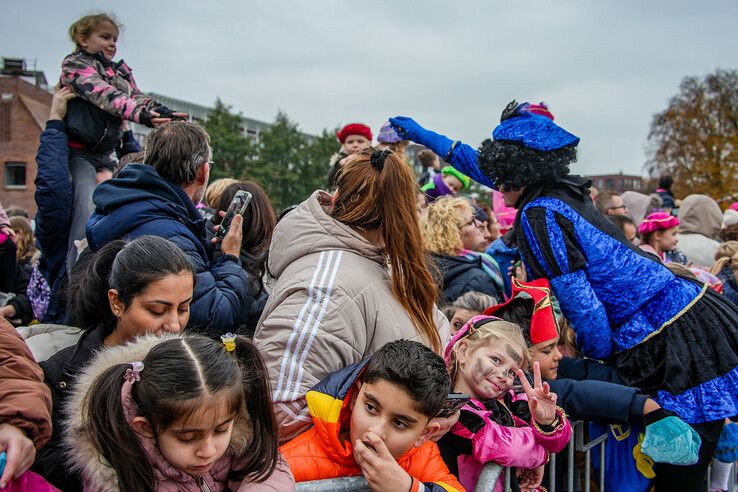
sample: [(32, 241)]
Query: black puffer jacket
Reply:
[(458, 275), (60, 372)]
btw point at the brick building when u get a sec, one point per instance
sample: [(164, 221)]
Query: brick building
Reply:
[(24, 108), (617, 183)]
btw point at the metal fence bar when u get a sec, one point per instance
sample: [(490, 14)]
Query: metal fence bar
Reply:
[(709, 475), (488, 478), (570, 460), (586, 447), (344, 484), (552, 473), (507, 479)]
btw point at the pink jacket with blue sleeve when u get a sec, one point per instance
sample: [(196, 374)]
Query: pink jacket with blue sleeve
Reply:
[(500, 431)]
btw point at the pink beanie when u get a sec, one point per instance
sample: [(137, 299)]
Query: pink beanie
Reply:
[(657, 221), (734, 206)]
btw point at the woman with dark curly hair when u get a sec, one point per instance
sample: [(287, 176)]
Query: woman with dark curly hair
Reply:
[(671, 337)]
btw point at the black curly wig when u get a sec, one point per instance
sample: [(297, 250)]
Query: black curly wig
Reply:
[(513, 166)]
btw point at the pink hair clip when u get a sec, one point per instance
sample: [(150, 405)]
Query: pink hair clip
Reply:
[(133, 373)]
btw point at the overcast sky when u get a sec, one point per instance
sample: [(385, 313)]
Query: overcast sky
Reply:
[(604, 68)]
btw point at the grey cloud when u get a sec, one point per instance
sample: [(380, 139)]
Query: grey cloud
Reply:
[(603, 67)]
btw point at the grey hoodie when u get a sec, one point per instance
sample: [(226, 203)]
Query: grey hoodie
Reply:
[(700, 219), (331, 306)]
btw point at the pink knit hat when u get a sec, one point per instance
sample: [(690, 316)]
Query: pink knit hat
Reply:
[(657, 221)]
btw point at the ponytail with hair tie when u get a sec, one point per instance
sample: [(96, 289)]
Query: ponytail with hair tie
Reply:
[(377, 158)]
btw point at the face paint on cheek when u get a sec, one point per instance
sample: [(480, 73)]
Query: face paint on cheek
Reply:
[(478, 371), (514, 355)]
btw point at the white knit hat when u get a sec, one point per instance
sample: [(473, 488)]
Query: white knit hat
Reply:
[(730, 217)]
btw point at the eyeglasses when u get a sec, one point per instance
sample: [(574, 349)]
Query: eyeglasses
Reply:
[(473, 222), (618, 207)]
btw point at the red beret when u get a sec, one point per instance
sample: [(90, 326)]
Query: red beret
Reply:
[(354, 129)]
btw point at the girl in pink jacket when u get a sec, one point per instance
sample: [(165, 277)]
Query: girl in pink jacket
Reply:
[(176, 413), (500, 425)]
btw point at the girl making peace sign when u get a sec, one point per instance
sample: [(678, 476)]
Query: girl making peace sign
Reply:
[(499, 425)]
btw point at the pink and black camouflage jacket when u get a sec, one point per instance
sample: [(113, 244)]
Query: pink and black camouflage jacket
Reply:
[(109, 86)]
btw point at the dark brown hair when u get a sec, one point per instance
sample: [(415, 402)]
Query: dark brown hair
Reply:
[(380, 198), (178, 373), (427, 158), (258, 225), (177, 150), (129, 268)]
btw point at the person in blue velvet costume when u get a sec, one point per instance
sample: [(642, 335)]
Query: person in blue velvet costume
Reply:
[(669, 336)]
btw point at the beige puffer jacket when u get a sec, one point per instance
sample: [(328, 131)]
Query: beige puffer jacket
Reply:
[(331, 306)]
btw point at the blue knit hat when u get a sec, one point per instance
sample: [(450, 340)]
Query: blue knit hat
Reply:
[(522, 124)]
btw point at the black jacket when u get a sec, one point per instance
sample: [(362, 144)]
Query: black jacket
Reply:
[(60, 371), (15, 282), (460, 275)]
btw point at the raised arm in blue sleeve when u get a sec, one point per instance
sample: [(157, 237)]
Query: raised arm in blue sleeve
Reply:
[(461, 156)]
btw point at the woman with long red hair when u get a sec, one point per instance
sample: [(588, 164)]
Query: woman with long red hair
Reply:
[(351, 275)]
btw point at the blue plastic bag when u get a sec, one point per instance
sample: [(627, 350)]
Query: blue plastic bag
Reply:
[(671, 440)]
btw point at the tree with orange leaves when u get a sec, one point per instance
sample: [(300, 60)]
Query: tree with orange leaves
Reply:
[(695, 139)]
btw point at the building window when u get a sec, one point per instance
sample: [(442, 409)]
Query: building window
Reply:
[(15, 175), (5, 121)]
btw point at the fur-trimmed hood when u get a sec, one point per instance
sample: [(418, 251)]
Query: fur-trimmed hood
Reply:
[(85, 459)]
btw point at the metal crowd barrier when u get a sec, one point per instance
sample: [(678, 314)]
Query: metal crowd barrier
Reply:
[(492, 471), (345, 484)]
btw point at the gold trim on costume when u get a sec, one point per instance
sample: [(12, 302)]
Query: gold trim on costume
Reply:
[(676, 316)]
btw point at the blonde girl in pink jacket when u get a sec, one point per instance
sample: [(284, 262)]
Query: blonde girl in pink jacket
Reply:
[(500, 424)]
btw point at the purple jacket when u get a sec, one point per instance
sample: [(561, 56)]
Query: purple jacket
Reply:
[(500, 431), (436, 189)]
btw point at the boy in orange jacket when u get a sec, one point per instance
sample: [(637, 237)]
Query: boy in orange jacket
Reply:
[(374, 418)]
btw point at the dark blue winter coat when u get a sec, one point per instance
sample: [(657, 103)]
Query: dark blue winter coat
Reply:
[(599, 401), (54, 204), (461, 275), (139, 202), (505, 255), (730, 286)]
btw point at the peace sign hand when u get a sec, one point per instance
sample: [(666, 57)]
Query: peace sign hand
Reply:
[(541, 401)]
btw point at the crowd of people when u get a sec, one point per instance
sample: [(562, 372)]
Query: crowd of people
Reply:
[(391, 326)]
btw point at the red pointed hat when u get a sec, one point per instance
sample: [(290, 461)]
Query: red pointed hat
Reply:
[(542, 322)]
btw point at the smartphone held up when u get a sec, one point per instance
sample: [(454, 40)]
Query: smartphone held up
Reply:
[(239, 205)]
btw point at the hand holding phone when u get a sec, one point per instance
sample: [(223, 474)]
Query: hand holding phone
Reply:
[(239, 205)]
